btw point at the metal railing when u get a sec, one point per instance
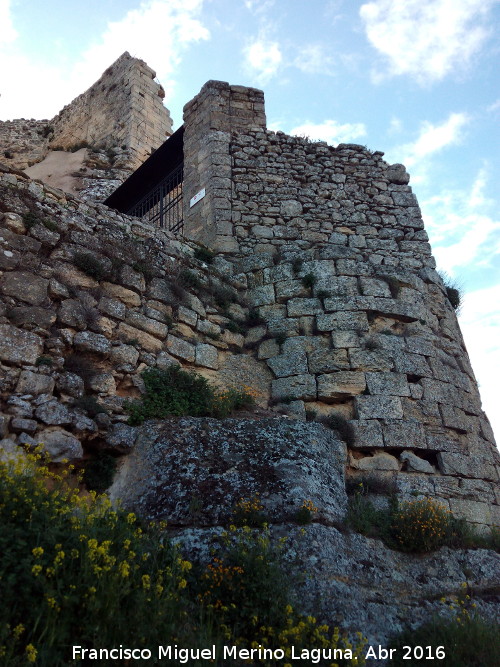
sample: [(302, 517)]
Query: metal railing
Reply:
[(163, 205)]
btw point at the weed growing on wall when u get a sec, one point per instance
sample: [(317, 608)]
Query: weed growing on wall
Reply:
[(420, 525), (90, 265), (454, 291), (174, 392)]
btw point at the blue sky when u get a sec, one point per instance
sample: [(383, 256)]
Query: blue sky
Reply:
[(417, 79)]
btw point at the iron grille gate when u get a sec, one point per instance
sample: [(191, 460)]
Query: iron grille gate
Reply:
[(162, 206)]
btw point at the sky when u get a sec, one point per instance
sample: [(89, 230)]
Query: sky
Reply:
[(417, 79)]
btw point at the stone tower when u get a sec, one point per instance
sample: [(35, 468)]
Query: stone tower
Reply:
[(331, 244), (124, 108)]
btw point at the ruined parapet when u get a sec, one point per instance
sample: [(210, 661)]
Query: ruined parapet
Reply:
[(122, 110)]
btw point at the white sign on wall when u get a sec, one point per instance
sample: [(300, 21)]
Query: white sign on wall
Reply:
[(199, 195)]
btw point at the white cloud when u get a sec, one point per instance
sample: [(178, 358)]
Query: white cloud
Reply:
[(312, 59), (432, 138), (158, 31), (8, 33), (263, 59), (493, 107), (259, 6), (331, 131), (426, 39), (462, 231), (480, 325)]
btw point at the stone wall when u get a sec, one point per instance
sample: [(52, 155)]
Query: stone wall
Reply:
[(323, 298), (121, 114), (24, 142), (358, 322)]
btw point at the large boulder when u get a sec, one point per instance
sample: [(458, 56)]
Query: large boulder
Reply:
[(215, 463)]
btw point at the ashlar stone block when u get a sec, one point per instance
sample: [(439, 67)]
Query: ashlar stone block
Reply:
[(340, 384), (349, 321), (378, 407), (392, 384), (285, 365), (298, 387)]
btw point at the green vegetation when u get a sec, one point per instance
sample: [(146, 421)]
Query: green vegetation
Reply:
[(50, 225), (304, 515), (466, 639), (204, 255), (90, 265), (175, 392), (280, 338), (309, 280), (342, 426), (31, 219), (76, 572), (254, 319), (418, 526), (189, 279), (90, 405), (143, 267), (297, 264), (454, 291)]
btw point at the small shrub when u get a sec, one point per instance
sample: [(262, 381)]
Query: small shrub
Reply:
[(90, 265), (465, 639), (204, 255), (304, 515), (371, 344), (249, 513), (189, 279), (420, 525), (309, 280), (364, 518), (50, 225), (311, 415), (171, 392), (454, 297), (175, 392), (297, 264), (31, 219), (144, 268), (99, 472), (454, 291), (8, 154), (80, 365), (342, 426), (44, 360), (280, 338), (223, 296), (234, 327), (254, 319)]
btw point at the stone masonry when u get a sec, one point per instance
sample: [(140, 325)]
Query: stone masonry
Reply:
[(323, 298), (332, 243), (120, 119)]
